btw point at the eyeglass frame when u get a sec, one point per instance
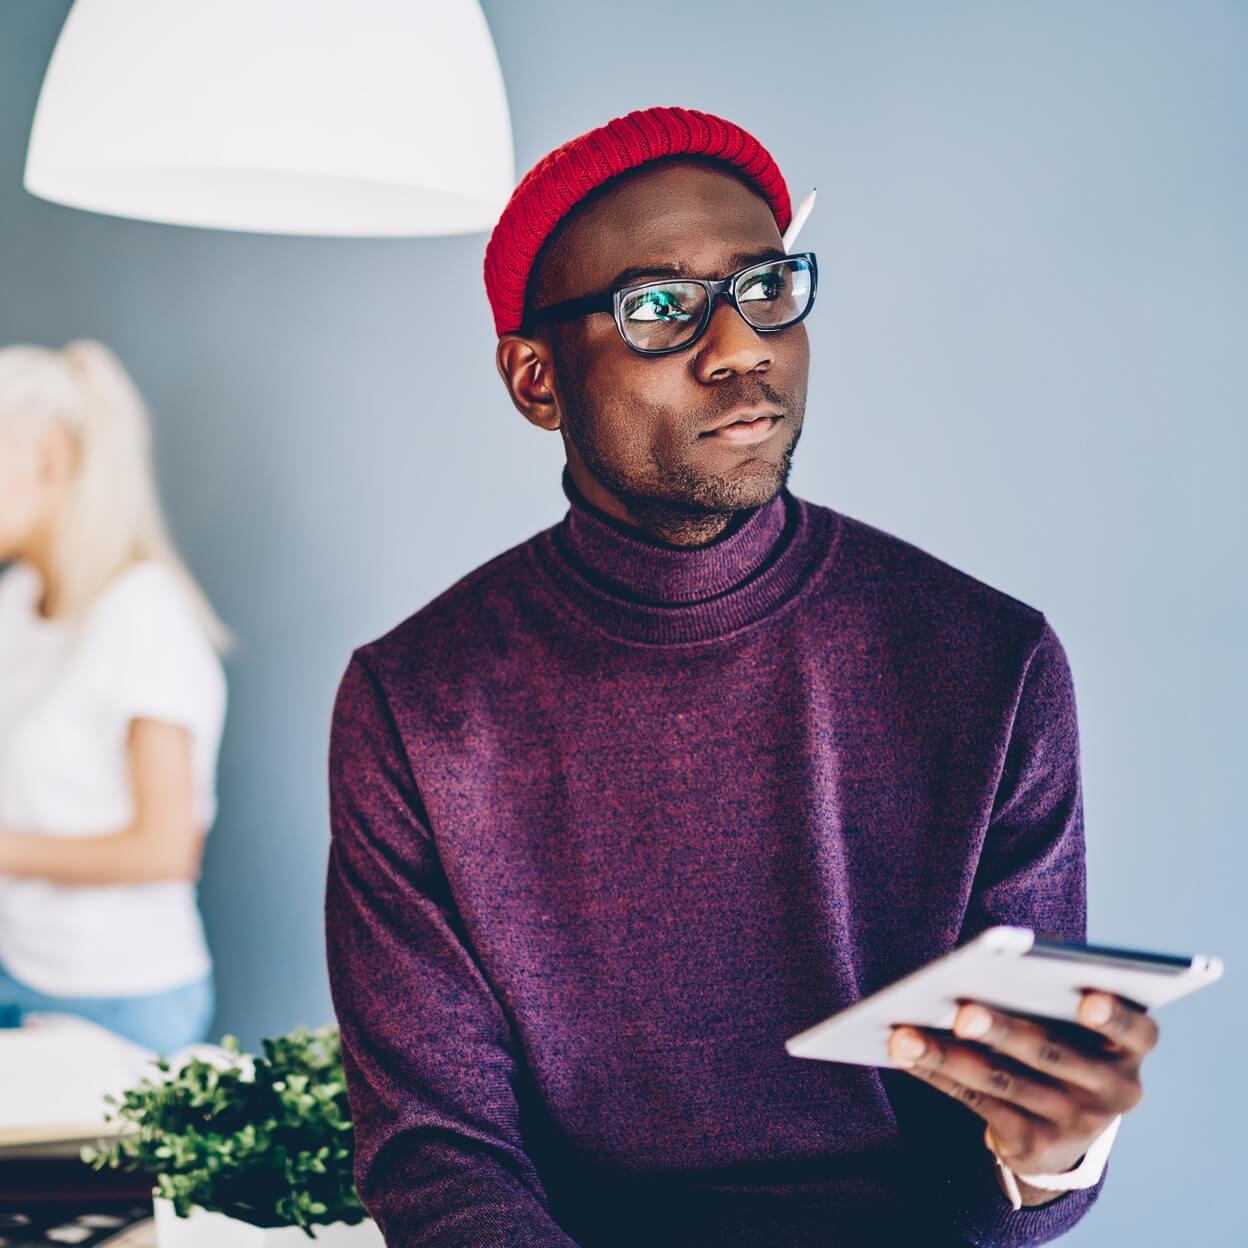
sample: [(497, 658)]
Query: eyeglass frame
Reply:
[(612, 300)]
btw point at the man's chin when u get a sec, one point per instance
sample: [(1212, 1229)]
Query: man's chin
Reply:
[(750, 482), (741, 491)]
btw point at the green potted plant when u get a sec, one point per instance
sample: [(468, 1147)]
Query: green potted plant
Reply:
[(247, 1152)]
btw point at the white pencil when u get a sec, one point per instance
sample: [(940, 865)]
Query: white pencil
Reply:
[(799, 220)]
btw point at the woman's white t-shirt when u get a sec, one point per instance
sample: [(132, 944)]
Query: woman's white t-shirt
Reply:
[(67, 695)]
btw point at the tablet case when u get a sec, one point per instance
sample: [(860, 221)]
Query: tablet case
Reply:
[(1006, 967)]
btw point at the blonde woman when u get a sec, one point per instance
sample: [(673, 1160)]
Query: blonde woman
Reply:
[(112, 704)]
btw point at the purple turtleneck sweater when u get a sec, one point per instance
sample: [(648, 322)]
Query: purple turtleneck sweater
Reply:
[(612, 818)]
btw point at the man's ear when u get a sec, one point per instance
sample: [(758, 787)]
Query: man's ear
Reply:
[(526, 366)]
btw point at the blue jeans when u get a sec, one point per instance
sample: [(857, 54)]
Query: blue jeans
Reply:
[(163, 1021)]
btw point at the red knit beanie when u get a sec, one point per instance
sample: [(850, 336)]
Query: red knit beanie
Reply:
[(560, 180)]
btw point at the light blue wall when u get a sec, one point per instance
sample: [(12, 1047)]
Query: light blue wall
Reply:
[(1031, 242)]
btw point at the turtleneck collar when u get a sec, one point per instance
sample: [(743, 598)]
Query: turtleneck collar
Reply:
[(643, 567), (639, 588)]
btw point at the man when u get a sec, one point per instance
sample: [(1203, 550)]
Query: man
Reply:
[(678, 777)]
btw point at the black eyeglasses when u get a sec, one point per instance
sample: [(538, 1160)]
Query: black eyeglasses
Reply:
[(655, 318)]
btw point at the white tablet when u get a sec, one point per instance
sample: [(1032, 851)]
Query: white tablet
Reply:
[(1010, 968)]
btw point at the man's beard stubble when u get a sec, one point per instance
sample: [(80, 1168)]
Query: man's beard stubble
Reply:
[(675, 502)]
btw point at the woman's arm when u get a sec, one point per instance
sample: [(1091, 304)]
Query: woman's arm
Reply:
[(163, 843)]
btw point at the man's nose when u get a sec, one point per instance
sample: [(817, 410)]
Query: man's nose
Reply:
[(731, 343)]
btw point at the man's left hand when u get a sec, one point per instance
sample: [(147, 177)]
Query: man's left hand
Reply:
[(1046, 1093)]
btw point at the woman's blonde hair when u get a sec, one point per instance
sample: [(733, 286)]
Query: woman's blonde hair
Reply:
[(111, 516)]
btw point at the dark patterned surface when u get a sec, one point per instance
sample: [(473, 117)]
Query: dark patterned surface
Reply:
[(101, 1222)]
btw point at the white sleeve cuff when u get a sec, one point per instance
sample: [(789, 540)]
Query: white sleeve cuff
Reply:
[(1086, 1174)]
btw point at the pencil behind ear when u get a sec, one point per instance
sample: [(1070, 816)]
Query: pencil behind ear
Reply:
[(799, 219)]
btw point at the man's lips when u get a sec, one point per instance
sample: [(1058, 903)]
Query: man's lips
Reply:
[(743, 415), (744, 431)]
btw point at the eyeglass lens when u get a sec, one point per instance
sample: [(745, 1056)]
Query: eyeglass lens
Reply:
[(664, 315)]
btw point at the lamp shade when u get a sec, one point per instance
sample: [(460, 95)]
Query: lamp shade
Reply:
[(337, 117)]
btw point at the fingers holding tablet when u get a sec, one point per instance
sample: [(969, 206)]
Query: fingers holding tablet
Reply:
[(1120, 1021), (1045, 1099), (1008, 1025)]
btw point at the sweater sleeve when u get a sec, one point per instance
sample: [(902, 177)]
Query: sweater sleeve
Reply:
[(428, 1055), (1031, 873)]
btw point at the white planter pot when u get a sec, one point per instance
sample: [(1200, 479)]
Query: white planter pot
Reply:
[(208, 1229)]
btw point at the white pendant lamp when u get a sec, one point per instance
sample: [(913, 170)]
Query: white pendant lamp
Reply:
[(337, 117)]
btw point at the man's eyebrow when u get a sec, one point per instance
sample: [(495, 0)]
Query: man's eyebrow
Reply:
[(738, 260)]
